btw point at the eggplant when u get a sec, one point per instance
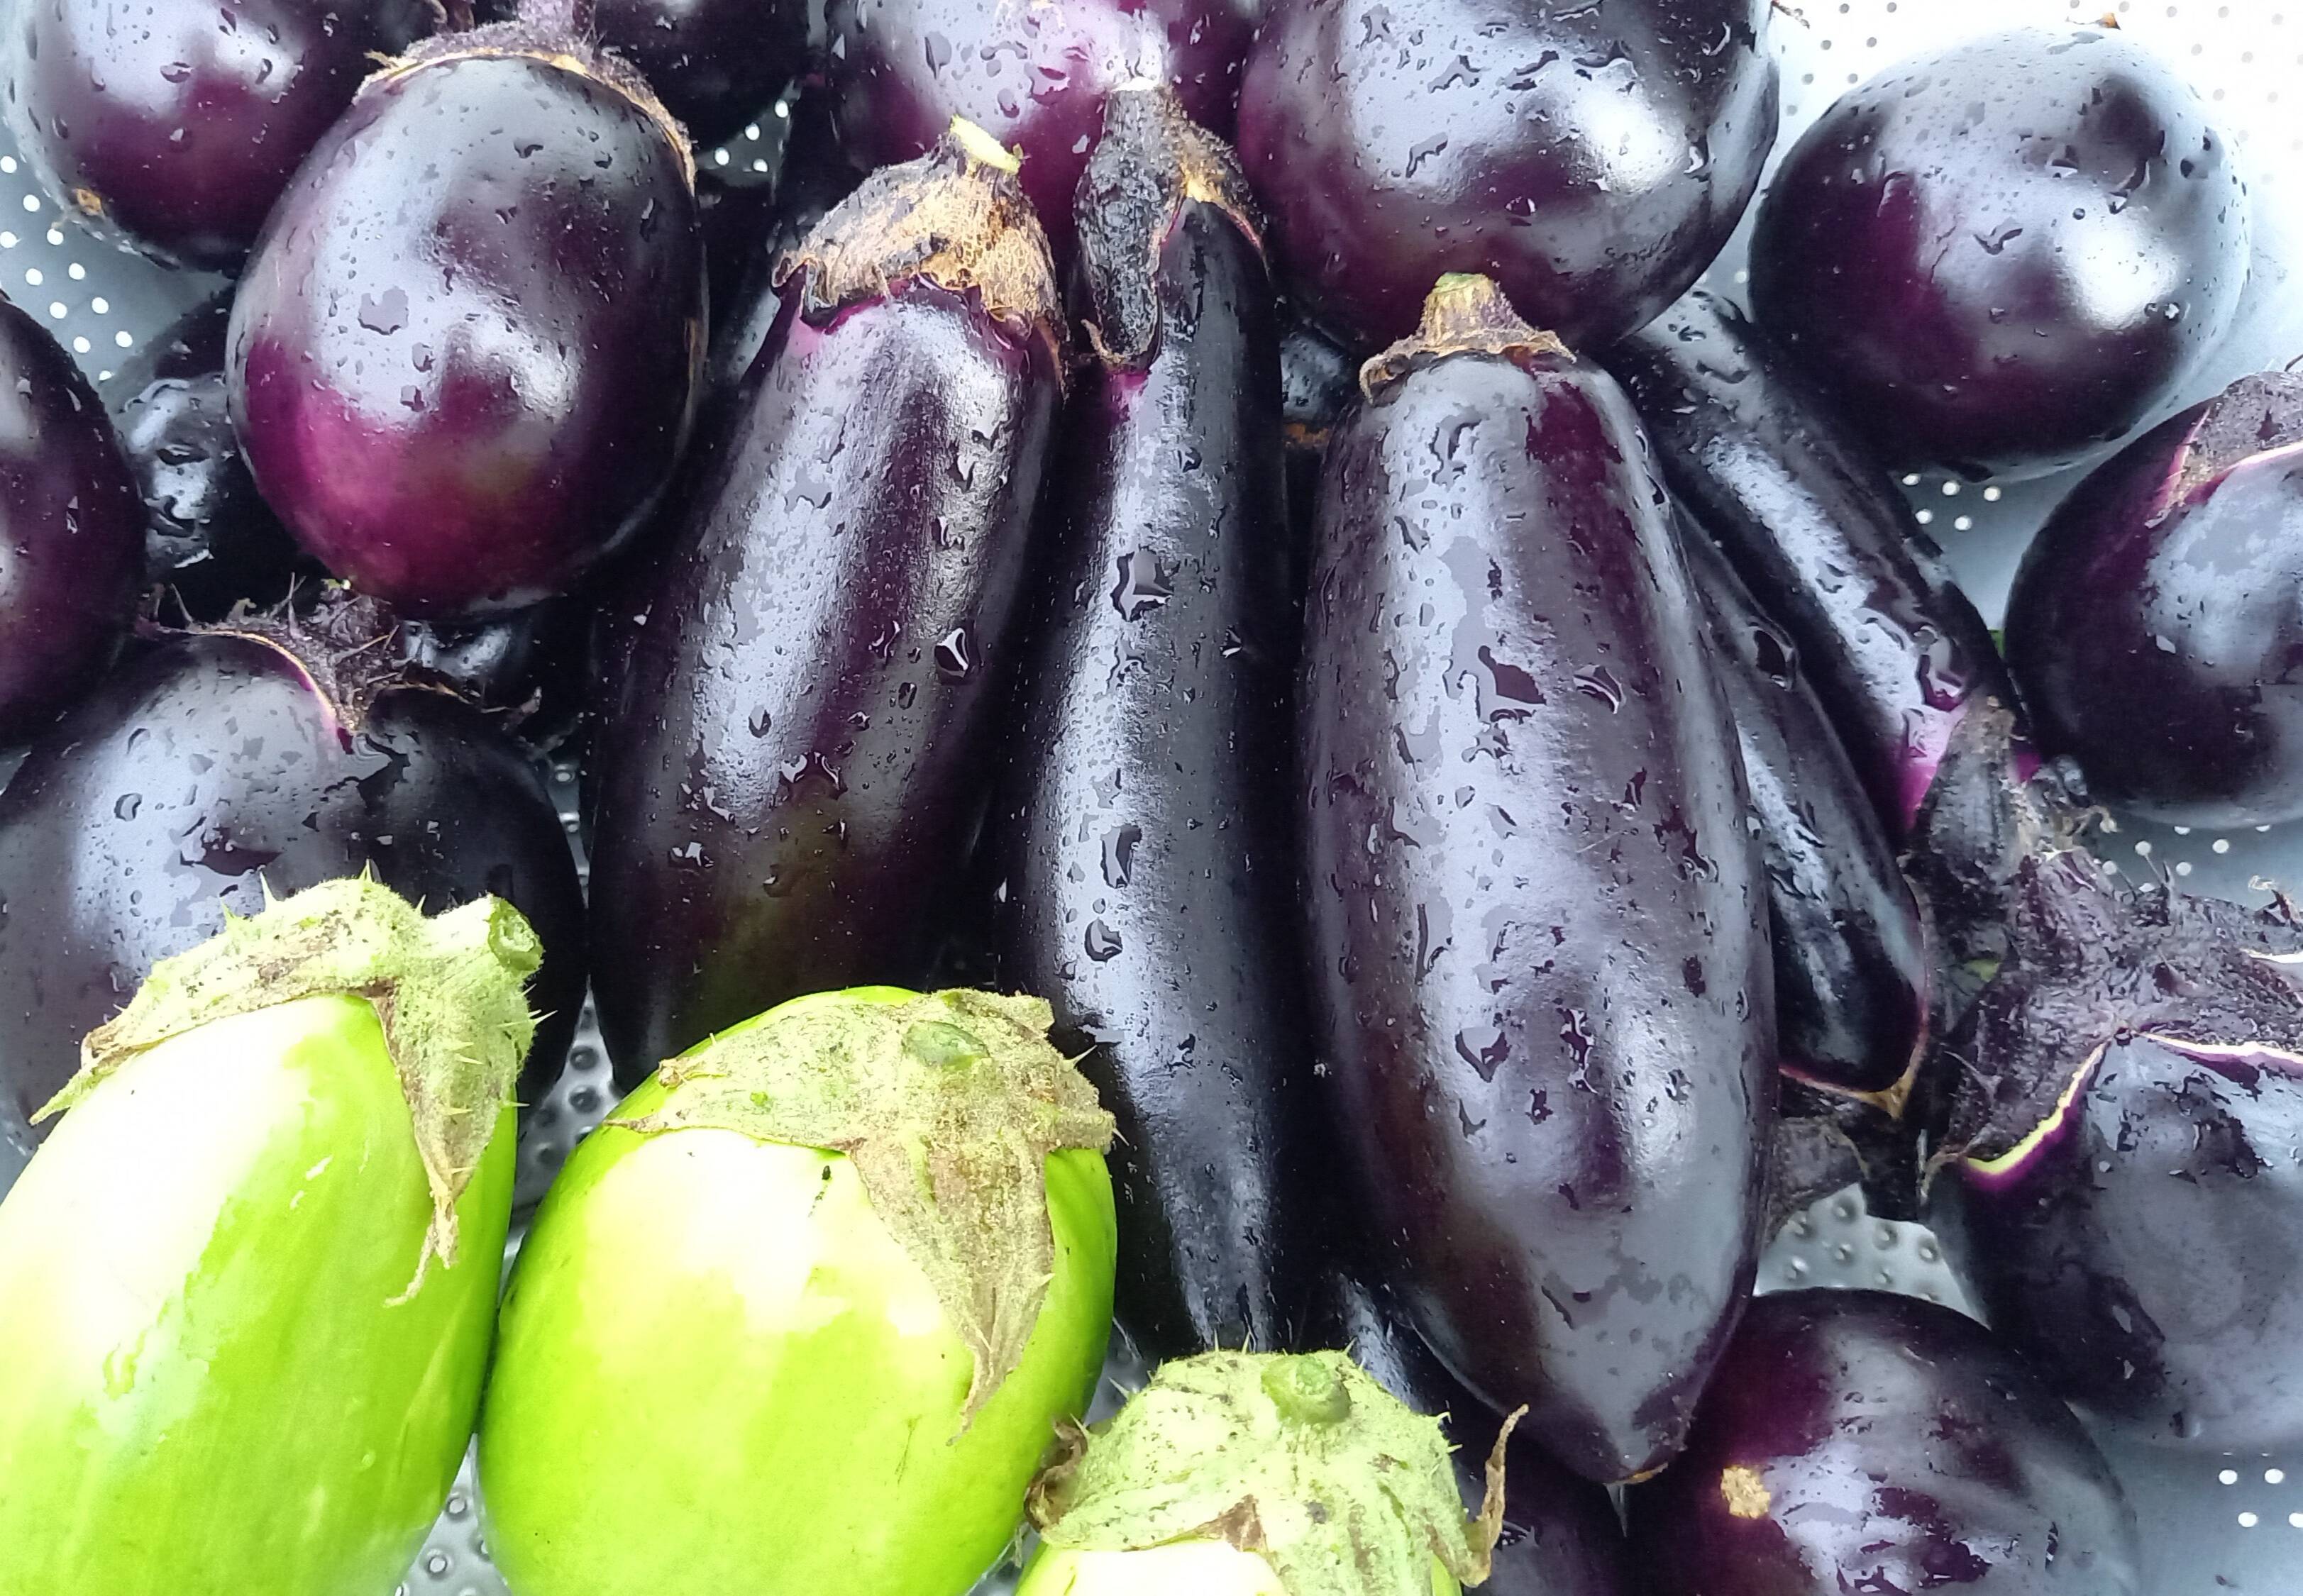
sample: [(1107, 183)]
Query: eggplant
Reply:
[(1823, 538), (2121, 1184), (1998, 256), (801, 737), (1034, 77), (217, 767), (486, 291), (2155, 618), (247, 1288), (1545, 1008), (865, 1373), (1319, 383), (1860, 1440), (172, 130), (1146, 860), (714, 63), (71, 531), (528, 669), (1592, 159)]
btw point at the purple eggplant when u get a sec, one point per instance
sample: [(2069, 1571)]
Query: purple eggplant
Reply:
[(1590, 158), (2003, 255), (714, 63), (1539, 920), (1863, 1441), (1852, 960), (71, 531), (170, 127), (1319, 383), (2123, 1179), (1034, 76), (528, 669), (2157, 617), (1147, 870), (219, 767), (784, 774), (467, 350), (1822, 537)]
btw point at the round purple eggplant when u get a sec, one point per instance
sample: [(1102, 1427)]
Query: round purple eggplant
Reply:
[(468, 348), (170, 127), (784, 776), (219, 767), (1538, 917), (2157, 617), (714, 63), (1147, 864), (528, 669), (1590, 158), (1034, 76), (1859, 1441), (2122, 1179), (1822, 537), (71, 531), (2003, 255)]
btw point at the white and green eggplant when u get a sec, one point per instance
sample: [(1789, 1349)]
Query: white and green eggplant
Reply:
[(1245, 1473), (246, 1288), (806, 1315)]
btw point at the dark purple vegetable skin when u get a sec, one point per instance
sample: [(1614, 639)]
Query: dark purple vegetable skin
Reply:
[(1859, 1442), (1319, 383), (784, 776), (1592, 158), (2122, 1179), (71, 531), (1537, 919), (171, 128), (213, 767), (2003, 255), (714, 63), (2155, 622), (1822, 537), (1147, 864), (485, 290)]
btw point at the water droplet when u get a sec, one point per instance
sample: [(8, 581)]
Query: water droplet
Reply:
[(129, 803), (954, 655), (386, 313), (1143, 585), (1601, 684), (1120, 854), (1484, 1048), (938, 49), (1101, 941)]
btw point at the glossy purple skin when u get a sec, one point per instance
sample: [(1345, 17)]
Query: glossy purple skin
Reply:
[(171, 126), (71, 531), (465, 353), (714, 63), (1863, 1441), (1822, 537), (801, 736), (211, 767), (1591, 158), (1034, 76), (1537, 919), (2157, 619), (2005, 254)]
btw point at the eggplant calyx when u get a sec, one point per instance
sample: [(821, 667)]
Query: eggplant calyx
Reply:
[(1465, 314), (1151, 162), (450, 990), (1303, 1459), (2259, 416), (348, 647), (947, 1104), (956, 219)]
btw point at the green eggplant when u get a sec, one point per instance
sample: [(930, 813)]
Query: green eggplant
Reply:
[(246, 1288), (804, 1316)]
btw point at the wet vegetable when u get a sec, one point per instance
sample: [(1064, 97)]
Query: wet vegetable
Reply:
[(1147, 872), (214, 769), (866, 1375), (484, 288), (1860, 1440), (2002, 254), (1590, 158), (2156, 619), (1537, 919), (72, 533), (1319, 383), (528, 667), (787, 777), (297, 1285), (714, 63), (172, 128)]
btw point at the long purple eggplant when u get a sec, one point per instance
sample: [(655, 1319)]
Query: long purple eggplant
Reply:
[(1821, 536), (1538, 920), (801, 736), (1147, 870), (217, 767)]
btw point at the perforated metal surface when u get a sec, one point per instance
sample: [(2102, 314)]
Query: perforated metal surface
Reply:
[(2213, 1526)]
